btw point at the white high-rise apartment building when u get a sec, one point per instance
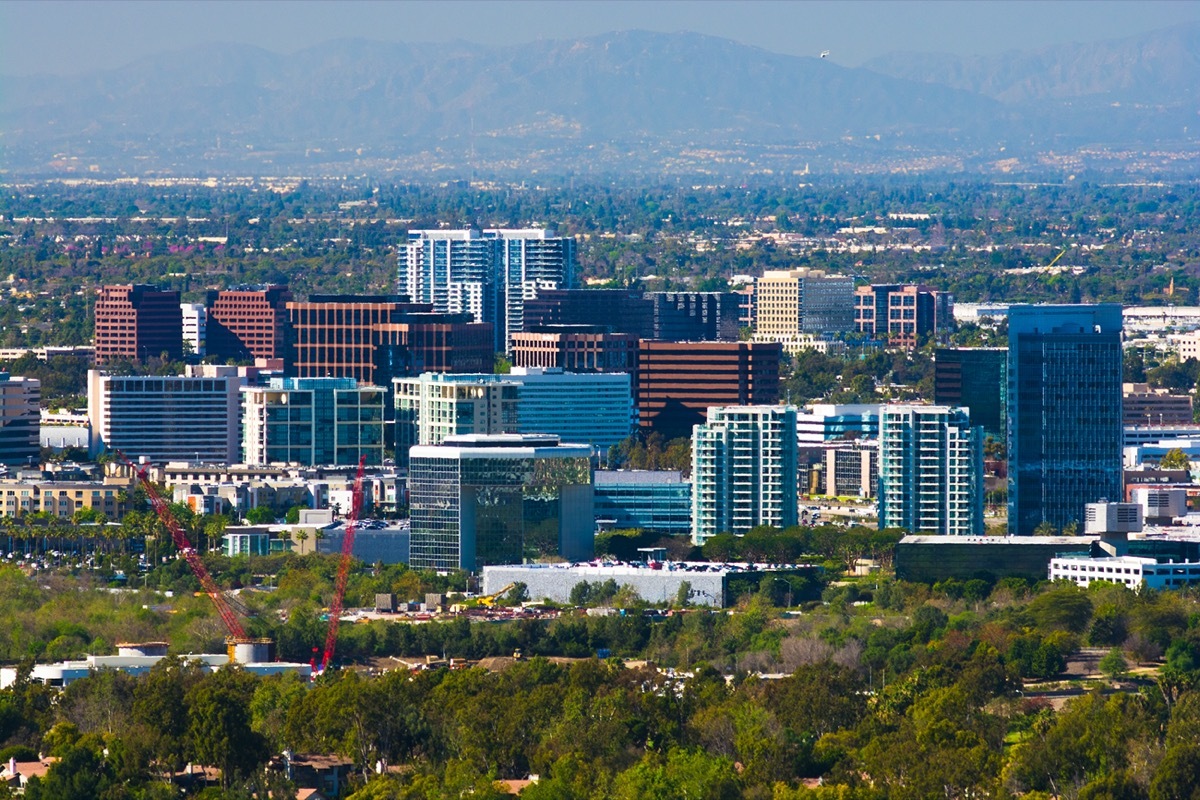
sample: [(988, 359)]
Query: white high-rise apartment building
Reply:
[(530, 260), (455, 270), (744, 461), (488, 273), (930, 470)]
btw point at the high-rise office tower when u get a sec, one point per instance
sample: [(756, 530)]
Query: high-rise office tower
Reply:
[(696, 316), (977, 378), (430, 409), (136, 322), (503, 499), (930, 470), (902, 314), (591, 408), (617, 310), (248, 322), (1064, 412), (165, 418), (575, 348), (677, 382), (374, 339), (312, 421), (20, 420), (791, 302), (744, 470)]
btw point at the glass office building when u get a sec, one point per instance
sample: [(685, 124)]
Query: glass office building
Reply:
[(975, 378), (501, 499), (1064, 412), (312, 421), (648, 500)]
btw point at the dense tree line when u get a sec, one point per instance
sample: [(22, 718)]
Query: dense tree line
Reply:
[(889, 690)]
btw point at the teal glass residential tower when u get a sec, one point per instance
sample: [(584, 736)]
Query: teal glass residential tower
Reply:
[(744, 461), (930, 470), (1064, 412)]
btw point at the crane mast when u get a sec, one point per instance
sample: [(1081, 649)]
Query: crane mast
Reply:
[(232, 624), (343, 573)]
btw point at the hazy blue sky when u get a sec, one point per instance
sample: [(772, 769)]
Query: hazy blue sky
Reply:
[(72, 37)]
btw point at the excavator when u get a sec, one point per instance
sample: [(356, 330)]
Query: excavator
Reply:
[(484, 600)]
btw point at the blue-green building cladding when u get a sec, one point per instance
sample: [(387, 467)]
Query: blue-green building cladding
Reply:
[(1064, 412)]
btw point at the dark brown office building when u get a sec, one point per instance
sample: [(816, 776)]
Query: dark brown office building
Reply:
[(248, 323), (376, 338), (137, 322), (434, 343), (575, 348), (617, 310), (696, 316), (677, 382)]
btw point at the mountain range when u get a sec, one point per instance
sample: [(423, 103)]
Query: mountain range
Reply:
[(622, 101)]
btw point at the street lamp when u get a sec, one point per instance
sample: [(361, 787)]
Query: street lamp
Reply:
[(789, 589)]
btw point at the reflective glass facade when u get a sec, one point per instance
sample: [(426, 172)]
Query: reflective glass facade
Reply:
[(312, 421), (1064, 412), (650, 501), (975, 378), (478, 505)]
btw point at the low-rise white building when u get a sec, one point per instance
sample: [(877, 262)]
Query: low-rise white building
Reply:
[(65, 673), (1132, 571)]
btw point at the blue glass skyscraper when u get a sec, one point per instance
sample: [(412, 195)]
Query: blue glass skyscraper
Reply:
[(1064, 412)]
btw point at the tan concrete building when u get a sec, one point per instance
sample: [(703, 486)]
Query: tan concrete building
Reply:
[(788, 302)]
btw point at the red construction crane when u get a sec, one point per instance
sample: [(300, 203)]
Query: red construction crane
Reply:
[(189, 553), (343, 573)]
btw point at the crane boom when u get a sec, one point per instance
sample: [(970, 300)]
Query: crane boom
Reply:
[(189, 553), (343, 573)]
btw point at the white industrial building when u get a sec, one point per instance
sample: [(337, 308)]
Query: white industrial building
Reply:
[(1128, 553), (136, 659), (709, 584)]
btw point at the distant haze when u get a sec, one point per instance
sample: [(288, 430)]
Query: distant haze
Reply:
[(47, 37)]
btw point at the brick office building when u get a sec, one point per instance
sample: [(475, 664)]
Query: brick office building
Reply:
[(677, 382), (136, 321), (575, 348), (248, 322), (376, 338)]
